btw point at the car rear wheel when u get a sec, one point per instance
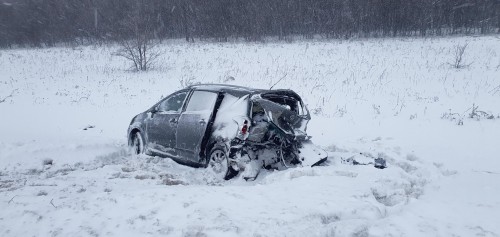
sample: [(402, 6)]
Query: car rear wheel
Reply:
[(137, 143), (218, 162)]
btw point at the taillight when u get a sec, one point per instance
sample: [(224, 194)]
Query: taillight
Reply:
[(244, 129)]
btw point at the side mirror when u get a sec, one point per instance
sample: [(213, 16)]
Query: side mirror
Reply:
[(154, 110)]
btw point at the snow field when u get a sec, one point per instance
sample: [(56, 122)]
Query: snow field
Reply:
[(381, 98)]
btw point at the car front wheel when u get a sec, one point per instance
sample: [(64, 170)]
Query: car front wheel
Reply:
[(137, 144)]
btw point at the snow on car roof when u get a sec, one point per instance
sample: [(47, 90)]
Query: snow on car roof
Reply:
[(231, 89), (223, 87), (237, 90)]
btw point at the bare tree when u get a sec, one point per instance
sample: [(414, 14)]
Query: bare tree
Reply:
[(142, 51), (142, 46)]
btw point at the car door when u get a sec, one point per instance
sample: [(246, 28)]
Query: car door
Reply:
[(162, 125), (193, 123)]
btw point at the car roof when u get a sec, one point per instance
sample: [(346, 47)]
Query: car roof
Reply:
[(232, 89), (239, 90)]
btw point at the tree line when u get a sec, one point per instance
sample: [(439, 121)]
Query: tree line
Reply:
[(49, 22)]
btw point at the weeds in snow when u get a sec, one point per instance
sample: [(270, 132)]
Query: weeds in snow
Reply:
[(495, 90), (340, 111), (7, 97), (474, 113), (376, 108), (188, 81), (458, 60), (479, 114)]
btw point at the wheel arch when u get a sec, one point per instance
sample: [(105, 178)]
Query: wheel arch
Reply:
[(132, 132), (214, 142)]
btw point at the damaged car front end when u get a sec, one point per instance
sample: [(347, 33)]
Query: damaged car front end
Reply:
[(272, 135)]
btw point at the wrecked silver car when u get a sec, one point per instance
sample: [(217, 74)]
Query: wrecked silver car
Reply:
[(232, 130)]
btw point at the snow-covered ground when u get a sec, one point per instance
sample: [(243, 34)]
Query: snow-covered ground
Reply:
[(65, 169)]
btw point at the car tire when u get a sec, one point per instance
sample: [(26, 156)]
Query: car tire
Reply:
[(218, 162), (137, 143)]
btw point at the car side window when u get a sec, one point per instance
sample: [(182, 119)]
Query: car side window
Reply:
[(201, 101), (173, 103)]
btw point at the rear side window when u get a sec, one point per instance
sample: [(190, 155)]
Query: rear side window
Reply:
[(201, 101), (173, 103)]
